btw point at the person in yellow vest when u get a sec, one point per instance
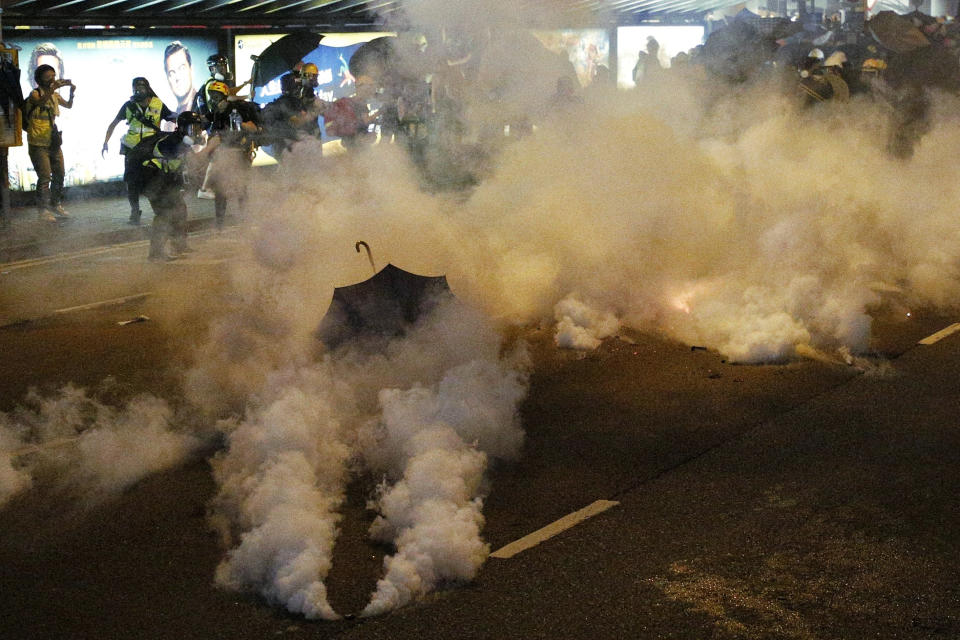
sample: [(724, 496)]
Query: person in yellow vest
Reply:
[(44, 140), (143, 113), (162, 162)]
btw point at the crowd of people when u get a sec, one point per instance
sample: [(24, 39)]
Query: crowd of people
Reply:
[(422, 116)]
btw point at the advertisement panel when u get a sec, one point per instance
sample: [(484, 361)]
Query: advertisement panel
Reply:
[(585, 48), (332, 58), (103, 68), (632, 40)]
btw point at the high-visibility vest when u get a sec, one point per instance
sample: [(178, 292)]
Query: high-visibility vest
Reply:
[(164, 163), (138, 129)]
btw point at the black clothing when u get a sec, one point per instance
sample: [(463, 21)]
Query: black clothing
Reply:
[(162, 179), (233, 141), (278, 130)]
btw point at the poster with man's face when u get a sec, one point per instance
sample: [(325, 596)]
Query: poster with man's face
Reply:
[(103, 69)]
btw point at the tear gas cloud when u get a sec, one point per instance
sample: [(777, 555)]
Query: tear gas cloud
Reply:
[(727, 219), (424, 414), (82, 445)]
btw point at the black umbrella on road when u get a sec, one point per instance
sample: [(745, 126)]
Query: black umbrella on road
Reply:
[(281, 56), (382, 307)]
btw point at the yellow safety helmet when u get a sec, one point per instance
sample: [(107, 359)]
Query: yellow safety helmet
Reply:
[(309, 69), (219, 87)]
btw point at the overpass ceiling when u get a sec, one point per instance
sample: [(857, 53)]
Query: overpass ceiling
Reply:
[(325, 12)]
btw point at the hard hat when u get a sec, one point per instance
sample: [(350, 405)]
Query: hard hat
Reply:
[(836, 59), (874, 65), (219, 87), (217, 58), (815, 53), (309, 69)]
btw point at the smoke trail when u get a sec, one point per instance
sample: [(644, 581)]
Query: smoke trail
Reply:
[(87, 446), (311, 421), (281, 482), (433, 513), (580, 327)]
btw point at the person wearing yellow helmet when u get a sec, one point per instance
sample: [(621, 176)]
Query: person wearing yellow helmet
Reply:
[(220, 75), (238, 125)]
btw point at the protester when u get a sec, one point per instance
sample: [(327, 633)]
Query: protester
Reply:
[(45, 140), (565, 97), (162, 179), (311, 107), (833, 73), (219, 68), (238, 125), (349, 118), (143, 113), (280, 115)]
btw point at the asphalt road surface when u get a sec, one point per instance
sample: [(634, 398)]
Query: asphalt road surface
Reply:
[(808, 500)]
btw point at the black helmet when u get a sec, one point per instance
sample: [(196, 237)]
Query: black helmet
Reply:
[(186, 119), (219, 66), (217, 58)]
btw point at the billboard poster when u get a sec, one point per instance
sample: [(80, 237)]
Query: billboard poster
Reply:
[(632, 40), (103, 68), (331, 57), (585, 48)]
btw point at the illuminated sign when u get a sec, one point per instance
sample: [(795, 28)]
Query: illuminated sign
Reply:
[(632, 40), (103, 70), (585, 48)]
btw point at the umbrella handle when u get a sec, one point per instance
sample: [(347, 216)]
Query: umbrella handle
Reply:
[(369, 254)]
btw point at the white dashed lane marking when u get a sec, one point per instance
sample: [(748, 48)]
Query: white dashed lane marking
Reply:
[(940, 335), (553, 529)]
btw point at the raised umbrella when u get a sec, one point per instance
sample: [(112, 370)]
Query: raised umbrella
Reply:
[(281, 56)]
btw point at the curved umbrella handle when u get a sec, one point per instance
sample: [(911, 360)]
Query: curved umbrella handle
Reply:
[(369, 255)]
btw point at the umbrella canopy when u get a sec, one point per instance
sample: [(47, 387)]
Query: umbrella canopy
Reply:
[(373, 58), (896, 32), (282, 55), (383, 306)]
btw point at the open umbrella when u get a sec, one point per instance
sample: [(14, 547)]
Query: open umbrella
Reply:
[(373, 58), (383, 306), (282, 55)]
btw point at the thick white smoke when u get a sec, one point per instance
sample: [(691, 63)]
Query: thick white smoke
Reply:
[(425, 411), (87, 446), (722, 218), (281, 482)]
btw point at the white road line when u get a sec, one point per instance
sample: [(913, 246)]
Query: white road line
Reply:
[(940, 335), (86, 253), (553, 529), (104, 303), (73, 255)]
